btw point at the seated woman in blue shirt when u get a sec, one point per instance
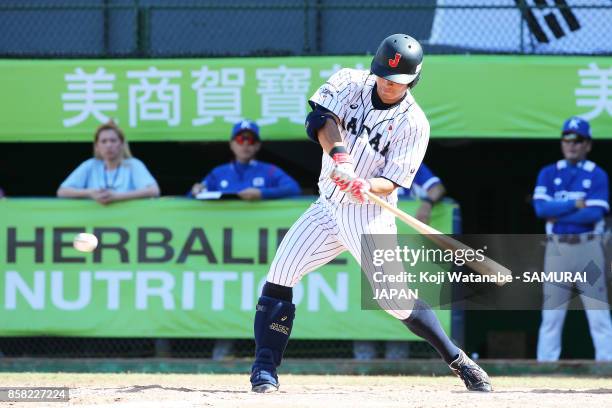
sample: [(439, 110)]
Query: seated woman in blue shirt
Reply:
[(112, 174), (248, 178)]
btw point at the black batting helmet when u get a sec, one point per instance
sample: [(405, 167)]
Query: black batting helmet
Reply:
[(398, 59)]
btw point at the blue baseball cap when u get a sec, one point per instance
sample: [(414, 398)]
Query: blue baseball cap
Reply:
[(245, 125), (576, 127)]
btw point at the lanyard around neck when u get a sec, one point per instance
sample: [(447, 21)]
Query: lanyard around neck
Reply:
[(112, 185)]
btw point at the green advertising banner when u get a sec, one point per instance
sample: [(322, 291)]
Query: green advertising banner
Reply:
[(199, 99), (171, 267)]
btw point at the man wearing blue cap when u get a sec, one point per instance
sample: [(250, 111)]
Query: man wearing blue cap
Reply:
[(572, 195), (244, 176)]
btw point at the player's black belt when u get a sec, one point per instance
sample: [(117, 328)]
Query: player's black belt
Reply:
[(572, 239)]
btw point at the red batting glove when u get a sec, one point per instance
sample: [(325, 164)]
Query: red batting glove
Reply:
[(357, 191), (343, 172)]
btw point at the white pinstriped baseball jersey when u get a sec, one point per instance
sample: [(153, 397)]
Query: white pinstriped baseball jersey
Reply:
[(388, 143), (328, 229)]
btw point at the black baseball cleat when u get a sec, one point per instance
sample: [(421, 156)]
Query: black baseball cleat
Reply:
[(264, 388), (263, 381), (474, 377)]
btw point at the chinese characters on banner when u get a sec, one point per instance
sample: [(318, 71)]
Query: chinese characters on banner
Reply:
[(154, 95), (596, 91), (89, 95)]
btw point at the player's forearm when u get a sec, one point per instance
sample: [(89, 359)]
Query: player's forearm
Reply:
[(69, 192), (150, 191), (548, 209), (287, 189), (586, 215), (329, 136), (436, 192), (381, 186)]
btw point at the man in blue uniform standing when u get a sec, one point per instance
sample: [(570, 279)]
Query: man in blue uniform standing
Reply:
[(572, 195), (244, 176)]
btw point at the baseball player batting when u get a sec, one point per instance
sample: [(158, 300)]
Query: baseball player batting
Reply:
[(374, 136)]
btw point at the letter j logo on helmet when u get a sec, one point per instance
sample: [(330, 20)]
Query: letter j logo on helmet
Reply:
[(393, 62)]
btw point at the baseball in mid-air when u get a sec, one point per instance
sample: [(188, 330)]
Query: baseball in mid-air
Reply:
[(85, 242)]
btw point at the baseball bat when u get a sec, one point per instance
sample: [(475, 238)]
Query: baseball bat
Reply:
[(485, 267)]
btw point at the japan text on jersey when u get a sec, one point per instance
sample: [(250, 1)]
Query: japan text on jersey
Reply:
[(388, 143)]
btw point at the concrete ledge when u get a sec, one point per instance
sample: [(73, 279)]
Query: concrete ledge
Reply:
[(299, 366)]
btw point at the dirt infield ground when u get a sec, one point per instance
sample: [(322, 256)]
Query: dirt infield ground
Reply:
[(189, 390)]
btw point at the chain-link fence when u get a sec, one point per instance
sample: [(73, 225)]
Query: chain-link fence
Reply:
[(79, 347), (164, 28)]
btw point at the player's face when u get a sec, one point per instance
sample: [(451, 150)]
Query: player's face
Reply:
[(388, 91), (109, 145), (575, 150), (245, 146)]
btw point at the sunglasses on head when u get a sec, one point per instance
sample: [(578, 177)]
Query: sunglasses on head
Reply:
[(245, 139)]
